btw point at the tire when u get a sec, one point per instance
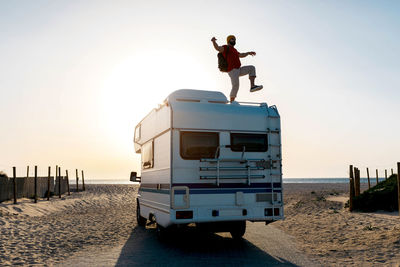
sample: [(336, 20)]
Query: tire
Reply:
[(238, 229), (141, 221)]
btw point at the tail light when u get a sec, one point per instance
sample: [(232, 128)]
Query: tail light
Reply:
[(184, 214)]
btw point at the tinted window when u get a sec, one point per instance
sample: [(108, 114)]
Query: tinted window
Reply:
[(147, 155), (252, 142), (197, 145)]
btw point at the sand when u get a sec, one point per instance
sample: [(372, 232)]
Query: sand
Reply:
[(102, 218), (48, 232), (324, 229)]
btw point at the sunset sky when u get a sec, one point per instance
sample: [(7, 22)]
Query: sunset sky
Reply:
[(77, 76)]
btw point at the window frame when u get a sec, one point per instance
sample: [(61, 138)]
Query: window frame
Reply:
[(232, 146), (182, 133), (151, 165)]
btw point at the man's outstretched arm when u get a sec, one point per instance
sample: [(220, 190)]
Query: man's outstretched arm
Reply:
[(218, 48), (247, 53)]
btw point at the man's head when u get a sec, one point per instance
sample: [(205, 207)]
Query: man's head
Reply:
[(231, 40)]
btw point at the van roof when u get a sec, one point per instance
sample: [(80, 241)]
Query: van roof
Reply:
[(191, 95)]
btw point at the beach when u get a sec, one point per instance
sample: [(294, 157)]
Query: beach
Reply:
[(47, 233), (102, 219), (326, 231)]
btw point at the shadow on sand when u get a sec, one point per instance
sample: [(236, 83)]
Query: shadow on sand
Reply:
[(190, 247)]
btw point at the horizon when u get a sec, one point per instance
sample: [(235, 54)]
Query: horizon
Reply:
[(77, 77)]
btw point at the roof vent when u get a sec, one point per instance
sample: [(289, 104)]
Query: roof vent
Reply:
[(190, 95)]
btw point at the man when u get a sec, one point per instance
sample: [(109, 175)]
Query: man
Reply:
[(235, 70)]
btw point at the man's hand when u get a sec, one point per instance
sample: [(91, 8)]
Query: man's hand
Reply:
[(252, 53), (218, 48)]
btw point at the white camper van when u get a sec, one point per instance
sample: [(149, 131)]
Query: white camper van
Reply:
[(208, 162)]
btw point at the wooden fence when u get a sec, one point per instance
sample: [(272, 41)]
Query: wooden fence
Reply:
[(37, 186), (354, 180)]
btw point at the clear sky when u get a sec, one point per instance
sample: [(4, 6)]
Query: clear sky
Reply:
[(77, 76)]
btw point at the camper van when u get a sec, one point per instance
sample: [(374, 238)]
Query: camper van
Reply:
[(209, 163)]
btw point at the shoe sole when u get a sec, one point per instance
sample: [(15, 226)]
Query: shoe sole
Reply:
[(256, 89)]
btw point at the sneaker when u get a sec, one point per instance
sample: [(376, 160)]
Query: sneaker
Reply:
[(256, 88)]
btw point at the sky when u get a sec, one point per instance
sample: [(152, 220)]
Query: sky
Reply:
[(77, 76)]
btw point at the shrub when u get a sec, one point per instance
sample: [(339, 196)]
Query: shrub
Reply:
[(383, 196), (3, 175)]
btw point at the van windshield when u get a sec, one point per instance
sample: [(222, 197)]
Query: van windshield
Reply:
[(197, 145), (251, 142)]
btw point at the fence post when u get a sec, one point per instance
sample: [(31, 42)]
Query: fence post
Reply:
[(377, 181), (55, 180), (66, 172), (351, 188), (83, 182), (392, 171), (357, 181), (48, 184), (398, 185), (385, 174), (15, 184), (35, 195), (59, 182), (27, 171), (77, 179), (369, 184)]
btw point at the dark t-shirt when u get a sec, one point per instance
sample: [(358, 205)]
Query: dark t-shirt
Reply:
[(233, 58)]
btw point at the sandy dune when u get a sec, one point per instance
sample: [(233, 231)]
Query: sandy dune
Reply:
[(329, 233), (103, 219), (47, 233)]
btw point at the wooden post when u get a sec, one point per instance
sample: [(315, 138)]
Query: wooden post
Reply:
[(48, 184), (357, 182), (59, 182), (55, 180), (66, 173), (15, 184), (377, 181), (77, 180), (369, 183), (83, 182), (398, 185), (385, 174), (27, 171), (351, 189), (35, 195)]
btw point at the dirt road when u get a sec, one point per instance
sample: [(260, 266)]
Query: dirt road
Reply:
[(262, 246)]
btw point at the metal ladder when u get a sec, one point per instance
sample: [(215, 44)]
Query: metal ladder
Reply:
[(273, 160)]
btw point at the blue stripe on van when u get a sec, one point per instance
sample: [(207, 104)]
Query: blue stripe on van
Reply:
[(211, 191), (159, 191), (225, 191), (227, 185)]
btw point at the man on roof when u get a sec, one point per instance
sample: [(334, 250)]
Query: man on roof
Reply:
[(235, 69)]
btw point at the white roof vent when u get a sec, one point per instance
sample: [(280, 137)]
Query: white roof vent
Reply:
[(190, 95)]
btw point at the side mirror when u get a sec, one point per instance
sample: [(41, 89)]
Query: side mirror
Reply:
[(134, 177)]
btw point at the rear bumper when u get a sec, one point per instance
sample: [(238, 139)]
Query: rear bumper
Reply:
[(230, 213)]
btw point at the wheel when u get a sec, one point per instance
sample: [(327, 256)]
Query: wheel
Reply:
[(141, 221), (238, 229)]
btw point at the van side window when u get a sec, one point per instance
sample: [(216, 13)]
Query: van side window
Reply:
[(252, 142), (138, 132), (148, 155), (197, 145)]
